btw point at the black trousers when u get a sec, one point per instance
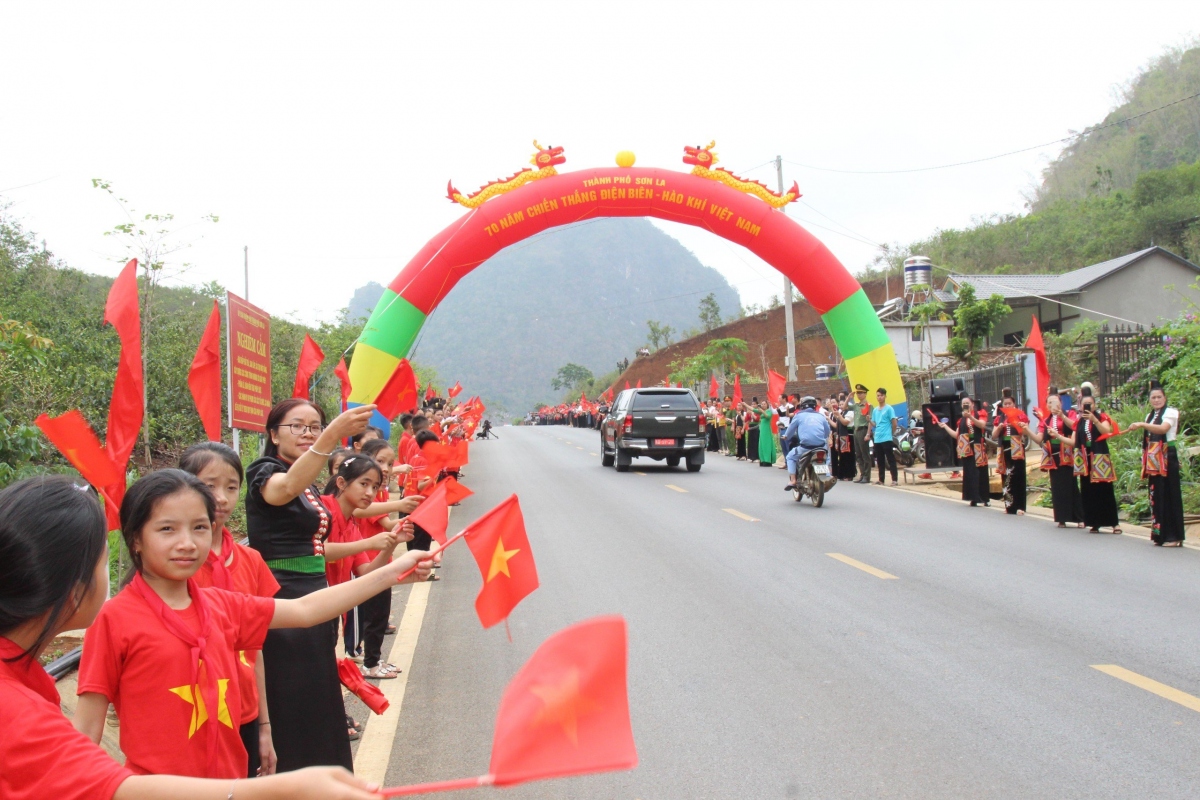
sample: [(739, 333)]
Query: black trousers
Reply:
[(373, 617), (249, 734), (886, 451), (421, 539)]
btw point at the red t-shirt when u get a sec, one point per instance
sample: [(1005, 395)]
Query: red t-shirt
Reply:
[(343, 531), (41, 753), (144, 670), (251, 576), (408, 448), (369, 526)]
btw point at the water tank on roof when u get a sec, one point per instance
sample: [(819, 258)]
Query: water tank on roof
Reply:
[(918, 274), (826, 372)]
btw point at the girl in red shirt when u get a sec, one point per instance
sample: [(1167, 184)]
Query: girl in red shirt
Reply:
[(233, 567), (53, 578), (164, 650)]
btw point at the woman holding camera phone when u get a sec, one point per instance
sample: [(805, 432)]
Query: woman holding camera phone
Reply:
[(1094, 466)]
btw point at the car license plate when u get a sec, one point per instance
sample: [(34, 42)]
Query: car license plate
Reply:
[(822, 469), (664, 442)]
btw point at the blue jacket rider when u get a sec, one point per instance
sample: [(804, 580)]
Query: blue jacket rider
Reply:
[(808, 430)]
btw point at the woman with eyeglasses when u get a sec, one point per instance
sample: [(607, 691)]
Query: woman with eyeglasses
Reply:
[(288, 526)]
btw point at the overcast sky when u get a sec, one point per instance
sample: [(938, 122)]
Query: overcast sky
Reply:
[(323, 134)]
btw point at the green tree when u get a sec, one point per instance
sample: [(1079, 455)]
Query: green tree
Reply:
[(660, 335), (722, 357), (710, 312), (974, 322), (21, 349), (925, 313), (570, 376)]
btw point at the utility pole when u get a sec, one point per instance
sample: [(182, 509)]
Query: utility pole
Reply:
[(787, 294)]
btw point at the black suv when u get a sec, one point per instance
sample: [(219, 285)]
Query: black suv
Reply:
[(659, 423)]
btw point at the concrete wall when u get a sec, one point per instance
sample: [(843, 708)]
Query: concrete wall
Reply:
[(1139, 292), (916, 354)]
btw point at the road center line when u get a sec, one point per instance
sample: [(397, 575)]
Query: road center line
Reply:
[(740, 515), (675, 488), (591, 454), (878, 573), (1154, 687), (639, 473)]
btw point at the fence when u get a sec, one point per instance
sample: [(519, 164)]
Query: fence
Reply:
[(987, 383), (1118, 355)]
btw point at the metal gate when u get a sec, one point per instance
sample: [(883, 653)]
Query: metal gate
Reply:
[(986, 384), (1118, 355)]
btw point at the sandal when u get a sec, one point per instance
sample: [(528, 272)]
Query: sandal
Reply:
[(433, 577), (378, 672), (389, 630), (353, 735), (1117, 531), (353, 723), (1172, 544), (1062, 524)]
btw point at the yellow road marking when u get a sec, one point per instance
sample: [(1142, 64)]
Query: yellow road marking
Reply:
[(1142, 682), (740, 515), (673, 487), (591, 454), (578, 448), (375, 749), (878, 573)]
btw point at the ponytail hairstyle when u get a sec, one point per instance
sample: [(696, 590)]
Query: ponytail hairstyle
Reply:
[(425, 436), (142, 498), (353, 468), (374, 446), (199, 456), (52, 536)]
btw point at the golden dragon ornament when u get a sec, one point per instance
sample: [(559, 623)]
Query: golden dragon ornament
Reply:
[(544, 159), (703, 159)]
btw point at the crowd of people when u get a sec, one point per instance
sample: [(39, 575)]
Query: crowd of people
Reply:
[(218, 657)]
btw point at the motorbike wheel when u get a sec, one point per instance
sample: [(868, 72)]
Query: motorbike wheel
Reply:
[(818, 488)]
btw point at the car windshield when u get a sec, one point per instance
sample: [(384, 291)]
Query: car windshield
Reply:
[(663, 401)]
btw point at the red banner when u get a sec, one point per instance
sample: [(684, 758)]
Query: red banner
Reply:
[(249, 359)]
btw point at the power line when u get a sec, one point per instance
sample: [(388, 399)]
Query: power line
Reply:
[(1063, 140)]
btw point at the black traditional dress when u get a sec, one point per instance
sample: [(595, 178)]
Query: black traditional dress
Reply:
[(1160, 467), (844, 444), (1012, 451), (304, 693), (1059, 460), (1094, 468), (972, 458)]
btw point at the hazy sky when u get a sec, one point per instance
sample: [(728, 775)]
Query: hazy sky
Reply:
[(323, 134)]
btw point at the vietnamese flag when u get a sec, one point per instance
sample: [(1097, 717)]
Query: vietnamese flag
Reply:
[(429, 392), (714, 391), (311, 357), (204, 377), (458, 454), (1038, 346), (628, 387), (127, 407), (775, 386), (78, 443), (566, 712), (737, 390), (501, 549), (437, 456), (433, 514), (454, 390), (399, 394), (343, 376), (455, 491), (639, 384)]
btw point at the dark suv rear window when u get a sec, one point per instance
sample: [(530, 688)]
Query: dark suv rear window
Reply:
[(665, 401)]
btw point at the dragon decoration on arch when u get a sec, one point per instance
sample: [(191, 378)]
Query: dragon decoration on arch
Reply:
[(703, 159), (544, 159)]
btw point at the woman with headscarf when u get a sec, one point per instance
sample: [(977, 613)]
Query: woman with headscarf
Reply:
[(1160, 467), (1055, 435), (1094, 466)]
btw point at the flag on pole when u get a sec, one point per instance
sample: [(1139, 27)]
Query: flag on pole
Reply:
[(127, 407), (78, 443), (639, 383), (627, 386), (399, 394), (775, 386), (737, 390), (714, 391), (204, 377), (430, 393), (1038, 346), (433, 515), (311, 357), (454, 390), (501, 549), (343, 376)]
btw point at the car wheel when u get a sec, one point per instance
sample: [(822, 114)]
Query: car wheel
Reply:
[(623, 461), (694, 466), (606, 458), (672, 461)]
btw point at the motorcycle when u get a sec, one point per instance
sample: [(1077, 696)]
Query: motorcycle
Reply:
[(910, 446), (812, 477)]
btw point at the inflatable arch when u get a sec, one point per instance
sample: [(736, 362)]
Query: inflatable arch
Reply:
[(532, 201)]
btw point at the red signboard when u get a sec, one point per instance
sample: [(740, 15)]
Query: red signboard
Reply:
[(249, 340)]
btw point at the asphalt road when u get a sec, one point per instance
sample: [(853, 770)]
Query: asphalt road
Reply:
[(761, 667)]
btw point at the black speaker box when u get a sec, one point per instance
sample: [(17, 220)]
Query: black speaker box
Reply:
[(946, 389), (940, 447)]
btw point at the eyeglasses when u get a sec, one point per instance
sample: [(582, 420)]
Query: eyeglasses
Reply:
[(299, 429)]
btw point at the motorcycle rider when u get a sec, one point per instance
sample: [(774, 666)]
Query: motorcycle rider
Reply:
[(809, 430)]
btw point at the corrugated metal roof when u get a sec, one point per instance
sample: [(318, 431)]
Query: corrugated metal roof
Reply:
[(1073, 282)]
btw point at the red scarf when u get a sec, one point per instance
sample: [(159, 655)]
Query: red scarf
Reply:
[(221, 577), (198, 644)]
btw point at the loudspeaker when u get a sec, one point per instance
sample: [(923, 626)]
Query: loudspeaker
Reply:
[(940, 447), (946, 389)]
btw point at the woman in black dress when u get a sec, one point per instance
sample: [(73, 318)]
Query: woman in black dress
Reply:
[(1009, 433), (1160, 467), (752, 417), (288, 525), (843, 442), (1094, 466), (1055, 434), (971, 451)]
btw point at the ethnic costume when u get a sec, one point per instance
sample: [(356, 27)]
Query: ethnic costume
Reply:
[(972, 457), (766, 439), (1059, 460), (1160, 467), (304, 693), (1012, 455), (1094, 468), (843, 444)]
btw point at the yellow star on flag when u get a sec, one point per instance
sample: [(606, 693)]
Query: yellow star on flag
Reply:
[(195, 698), (564, 704), (500, 560)]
